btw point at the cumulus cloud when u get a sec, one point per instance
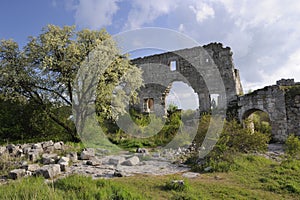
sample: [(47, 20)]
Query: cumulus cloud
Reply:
[(144, 12), (94, 14), (202, 11)]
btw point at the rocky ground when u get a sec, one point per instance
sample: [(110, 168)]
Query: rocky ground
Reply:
[(55, 160)]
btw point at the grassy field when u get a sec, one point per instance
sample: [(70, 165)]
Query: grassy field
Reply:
[(254, 177)]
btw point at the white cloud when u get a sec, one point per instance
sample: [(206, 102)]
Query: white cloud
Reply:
[(144, 12), (291, 69), (202, 11), (94, 14), (181, 28)]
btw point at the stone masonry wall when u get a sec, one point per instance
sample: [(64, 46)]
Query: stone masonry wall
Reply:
[(158, 75), (271, 100), (292, 103)]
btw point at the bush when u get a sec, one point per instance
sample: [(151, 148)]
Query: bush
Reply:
[(292, 146), (234, 140), (177, 185)]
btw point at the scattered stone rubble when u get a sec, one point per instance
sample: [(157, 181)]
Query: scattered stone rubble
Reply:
[(54, 159)]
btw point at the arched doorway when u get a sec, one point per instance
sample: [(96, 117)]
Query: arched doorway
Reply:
[(258, 120), (182, 96)]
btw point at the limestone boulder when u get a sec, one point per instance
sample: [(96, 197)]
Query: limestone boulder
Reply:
[(87, 154), (58, 145), (2, 150), (47, 144), (49, 158), (131, 161), (116, 160), (73, 156), (49, 171), (33, 167), (17, 173)]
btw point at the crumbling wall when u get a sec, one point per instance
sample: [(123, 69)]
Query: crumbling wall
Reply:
[(292, 104), (194, 67), (271, 100)]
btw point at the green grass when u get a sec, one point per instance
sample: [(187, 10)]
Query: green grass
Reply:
[(254, 177)]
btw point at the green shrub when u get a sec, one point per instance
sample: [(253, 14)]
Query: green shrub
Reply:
[(177, 185), (292, 146), (234, 140)]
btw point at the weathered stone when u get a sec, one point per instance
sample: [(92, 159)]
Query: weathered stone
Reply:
[(64, 166), (58, 145), (49, 158), (131, 161), (26, 149), (116, 160), (17, 173), (93, 162), (24, 164), (64, 163), (49, 149), (64, 159), (49, 171), (87, 154), (34, 154), (47, 144), (32, 167), (73, 156), (2, 150), (37, 146)]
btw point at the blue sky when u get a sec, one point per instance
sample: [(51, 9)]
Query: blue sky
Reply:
[(264, 35)]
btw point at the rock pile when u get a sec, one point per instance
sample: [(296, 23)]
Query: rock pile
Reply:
[(39, 159), (52, 160)]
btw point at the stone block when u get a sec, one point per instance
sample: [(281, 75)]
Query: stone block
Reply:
[(58, 145), (87, 154), (2, 150), (37, 146), (17, 173), (33, 167), (47, 144), (131, 161), (49, 171), (73, 156), (49, 158), (116, 160)]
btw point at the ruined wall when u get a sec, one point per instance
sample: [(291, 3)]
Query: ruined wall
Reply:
[(198, 66), (292, 104), (194, 67), (271, 100)]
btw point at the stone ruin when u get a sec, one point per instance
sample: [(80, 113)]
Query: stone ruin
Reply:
[(161, 70)]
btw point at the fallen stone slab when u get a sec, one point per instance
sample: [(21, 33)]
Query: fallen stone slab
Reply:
[(17, 173), (48, 171), (131, 161)]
